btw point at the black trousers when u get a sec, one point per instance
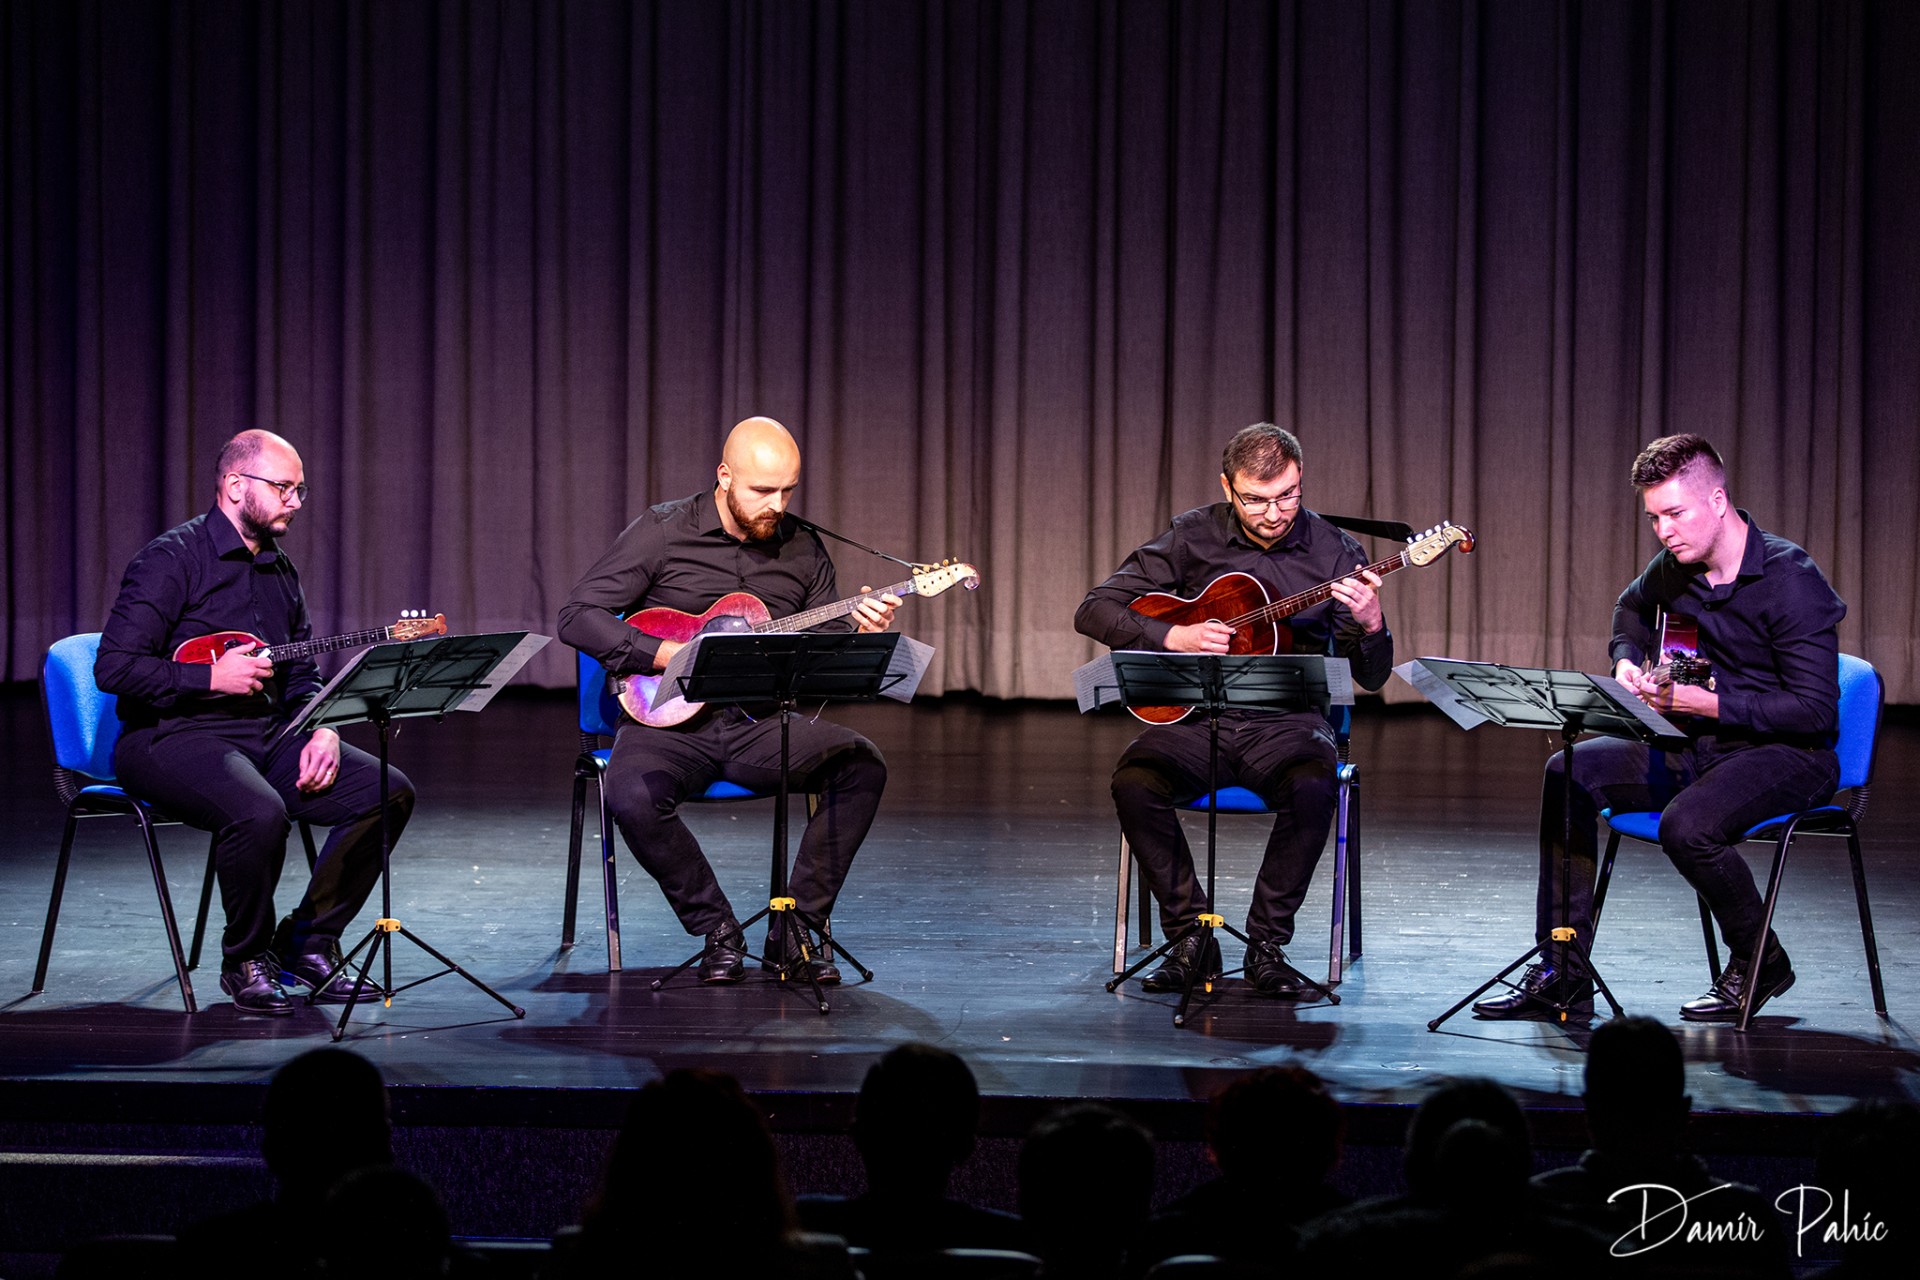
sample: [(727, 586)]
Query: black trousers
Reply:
[(1287, 759), (653, 771), (1709, 796), (236, 779)]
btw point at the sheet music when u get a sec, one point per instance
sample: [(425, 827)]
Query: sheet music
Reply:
[(1094, 685), (910, 660), (503, 671), (1440, 693)]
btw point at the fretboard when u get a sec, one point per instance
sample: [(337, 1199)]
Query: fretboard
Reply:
[(1290, 605), (327, 644), (828, 612)]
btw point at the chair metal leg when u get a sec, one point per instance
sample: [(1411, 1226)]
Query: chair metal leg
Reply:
[(1336, 949), (573, 856), (1604, 879), (1143, 901), (166, 909), (306, 839), (610, 881), (206, 904), (1122, 906), (1353, 863), (53, 903), (1866, 921), (1774, 877)]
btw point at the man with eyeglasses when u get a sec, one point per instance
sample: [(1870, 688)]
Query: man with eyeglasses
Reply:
[(1288, 759), (204, 742)]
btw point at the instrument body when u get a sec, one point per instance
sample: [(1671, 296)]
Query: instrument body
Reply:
[(1239, 601), (208, 649), (1681, 660), (741, 613), (1231, 595)]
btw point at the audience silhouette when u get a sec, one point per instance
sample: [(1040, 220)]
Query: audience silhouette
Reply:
[(692, 1185), (913, 1125), (1467, 1208), (1866, 1182), (325, 1117), (1275, 1136), (1086, 1183), (1637, 1108)]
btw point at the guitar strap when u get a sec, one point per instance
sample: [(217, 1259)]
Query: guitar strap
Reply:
[(805, 523), (1394, 529)]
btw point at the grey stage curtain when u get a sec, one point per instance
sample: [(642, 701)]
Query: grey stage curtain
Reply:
[(505, 272)]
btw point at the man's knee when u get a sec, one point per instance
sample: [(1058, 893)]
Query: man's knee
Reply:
[(1686, 839), (260, 821), (1138, 782), (643, 799)]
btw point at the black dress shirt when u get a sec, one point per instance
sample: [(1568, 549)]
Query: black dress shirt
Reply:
[(1208, 541), (1769, 635), (679, 556), (191, 581)]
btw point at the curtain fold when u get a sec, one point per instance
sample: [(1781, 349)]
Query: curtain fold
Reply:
[(505, 273)]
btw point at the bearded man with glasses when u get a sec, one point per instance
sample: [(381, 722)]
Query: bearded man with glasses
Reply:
[(204, 742), (1288, 759)]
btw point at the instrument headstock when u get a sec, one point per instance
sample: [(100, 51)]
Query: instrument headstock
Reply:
[(414, 624), (932, 579), (1425, 548)]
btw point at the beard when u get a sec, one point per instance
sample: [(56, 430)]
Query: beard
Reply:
[(260, 523), (757, 528)]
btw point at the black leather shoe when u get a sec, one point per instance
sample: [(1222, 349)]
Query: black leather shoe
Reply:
[(1267, 970), (1184, 959), (1722, 1001), (820, 962), (1537, 993), (726, 957), (311, 969), (252, 986)]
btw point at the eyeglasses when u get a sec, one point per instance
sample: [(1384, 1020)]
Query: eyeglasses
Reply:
[(285, 488), (1250, 503)]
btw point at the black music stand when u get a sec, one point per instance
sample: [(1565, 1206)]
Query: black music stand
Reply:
[(1569, 703), (782, 667), (402, 681), (1212, 683)]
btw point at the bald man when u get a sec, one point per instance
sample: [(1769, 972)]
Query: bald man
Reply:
[(204, 743), (685, 555)]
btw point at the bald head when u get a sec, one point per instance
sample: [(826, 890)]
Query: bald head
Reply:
[(261, 485), (758, 472)]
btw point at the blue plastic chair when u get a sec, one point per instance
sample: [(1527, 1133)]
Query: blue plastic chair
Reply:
[(1860, 699), (85, 726), (600, 718), (1239, 800)]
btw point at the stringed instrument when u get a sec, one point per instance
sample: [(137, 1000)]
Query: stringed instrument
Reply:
[(741, 613), (412, 625), (1239, 600), (1680, 658)]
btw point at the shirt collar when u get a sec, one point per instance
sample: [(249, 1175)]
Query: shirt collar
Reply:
[(1753, 560), (1298, 537), (227, 541)]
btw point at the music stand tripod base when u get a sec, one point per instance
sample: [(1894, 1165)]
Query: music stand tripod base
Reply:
[(1570, 703), (397, 681), (1205, 924)]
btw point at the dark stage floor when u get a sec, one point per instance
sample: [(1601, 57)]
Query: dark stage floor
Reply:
[(982, 902)]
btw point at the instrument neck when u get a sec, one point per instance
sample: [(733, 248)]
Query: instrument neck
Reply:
[(1293, 604), (828, 612), (327, 644)]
